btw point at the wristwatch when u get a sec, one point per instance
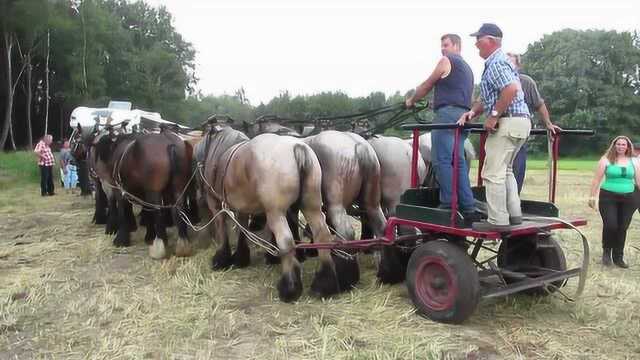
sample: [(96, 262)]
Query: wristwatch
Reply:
[(494, 113)]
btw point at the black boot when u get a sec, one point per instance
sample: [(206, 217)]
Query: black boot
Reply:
[(606, 257), (618, 258)]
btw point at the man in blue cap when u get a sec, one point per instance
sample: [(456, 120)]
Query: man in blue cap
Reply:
[(508, 124)]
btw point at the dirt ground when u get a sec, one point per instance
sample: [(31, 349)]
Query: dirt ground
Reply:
[(67, 293)]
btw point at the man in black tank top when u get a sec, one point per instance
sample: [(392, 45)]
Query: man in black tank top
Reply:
[(452, 82)]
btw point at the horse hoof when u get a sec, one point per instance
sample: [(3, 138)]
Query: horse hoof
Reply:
[(325, 282), (148, 238), (183, 248), (301, 255), (241, 259), (348, 272), (221, 260), (271, 260), (120, 241), (157, 249), (390, 267), (290, 285)]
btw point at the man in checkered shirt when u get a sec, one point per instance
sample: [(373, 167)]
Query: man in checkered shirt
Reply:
[(46, 162), (508, 124)]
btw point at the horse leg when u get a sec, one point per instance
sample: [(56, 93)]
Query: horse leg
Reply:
[(147, 220), (340, 221), (131, 219), (158, 248), (183, 245), (100, 214), (242, 256), (222, 258), (123, 237), (112, 214), (290, 283), (292, 220), (258, 224)]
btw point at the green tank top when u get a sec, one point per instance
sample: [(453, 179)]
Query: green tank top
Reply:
[(619, 179)]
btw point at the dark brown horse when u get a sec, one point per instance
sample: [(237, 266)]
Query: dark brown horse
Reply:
[(267, 175), (152, 170)]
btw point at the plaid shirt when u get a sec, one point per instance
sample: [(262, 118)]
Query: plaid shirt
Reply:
[(498, 73), (46, 158)]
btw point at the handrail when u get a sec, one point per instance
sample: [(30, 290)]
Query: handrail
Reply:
[(478, 128)]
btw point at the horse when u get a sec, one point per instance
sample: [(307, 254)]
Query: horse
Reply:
[(394, 155), (425, 152), (350, 174), (83, 147), (153, 170), (268, 175)]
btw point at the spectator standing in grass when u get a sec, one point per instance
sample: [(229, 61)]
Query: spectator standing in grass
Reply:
[(614, 199), (45, 162), (68, 166)]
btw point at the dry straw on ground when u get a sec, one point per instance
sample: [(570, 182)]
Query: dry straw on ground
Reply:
[(66, 293)]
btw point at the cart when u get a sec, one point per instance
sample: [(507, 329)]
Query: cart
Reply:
[(445, 275)]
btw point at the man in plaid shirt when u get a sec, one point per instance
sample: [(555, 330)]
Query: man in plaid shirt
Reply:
[(46, 162), (508, 124)]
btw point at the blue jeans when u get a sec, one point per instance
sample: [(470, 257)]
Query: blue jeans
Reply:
[(71, 177), (442, 158), (520, 166)]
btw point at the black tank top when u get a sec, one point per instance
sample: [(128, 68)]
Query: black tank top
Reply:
[(457, 88)]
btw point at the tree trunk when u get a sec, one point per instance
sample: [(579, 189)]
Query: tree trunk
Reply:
[(46, 74), (84, 51), (8, 44), (29, 100), (11, 137)]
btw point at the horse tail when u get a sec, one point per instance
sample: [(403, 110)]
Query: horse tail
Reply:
[(302, 153), (191, 191), (174, 168), (367, 160)]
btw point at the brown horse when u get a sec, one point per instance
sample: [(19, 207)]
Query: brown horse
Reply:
[(153, 170), (267, 175)]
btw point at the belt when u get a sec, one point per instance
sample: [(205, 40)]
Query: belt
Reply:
[(504, 115)]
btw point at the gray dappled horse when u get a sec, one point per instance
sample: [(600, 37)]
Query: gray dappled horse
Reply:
[(394, 155), (425, 151), (268, 175)]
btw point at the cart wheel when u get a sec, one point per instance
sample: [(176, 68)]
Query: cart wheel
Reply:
[(443, 282), (520, 254)]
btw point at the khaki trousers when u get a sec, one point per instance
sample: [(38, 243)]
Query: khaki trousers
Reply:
[(501, 149)]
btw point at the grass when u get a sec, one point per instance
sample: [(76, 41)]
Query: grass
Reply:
[(20, 168), (565, 164), (67, 293), (17, 168)]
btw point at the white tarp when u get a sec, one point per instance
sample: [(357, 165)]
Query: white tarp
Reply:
[(136, 118)]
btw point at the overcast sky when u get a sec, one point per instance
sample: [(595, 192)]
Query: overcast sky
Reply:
[(360, 46)]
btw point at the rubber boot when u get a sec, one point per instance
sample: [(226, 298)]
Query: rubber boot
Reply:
[(606, 257), (618, 258)]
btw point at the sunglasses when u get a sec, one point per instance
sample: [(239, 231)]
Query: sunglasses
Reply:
[(623, 172)]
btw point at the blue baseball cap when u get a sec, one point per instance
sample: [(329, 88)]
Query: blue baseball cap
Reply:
[(488, 29)]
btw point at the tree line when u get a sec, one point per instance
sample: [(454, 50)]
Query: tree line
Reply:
[(57, 55)]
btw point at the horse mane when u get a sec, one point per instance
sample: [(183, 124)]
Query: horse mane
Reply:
[(105, 145), (221, 140)]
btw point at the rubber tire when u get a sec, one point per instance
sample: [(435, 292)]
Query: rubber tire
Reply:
[(462, 273), (549, 257)]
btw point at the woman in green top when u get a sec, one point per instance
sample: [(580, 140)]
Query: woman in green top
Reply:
[(615, 202)]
